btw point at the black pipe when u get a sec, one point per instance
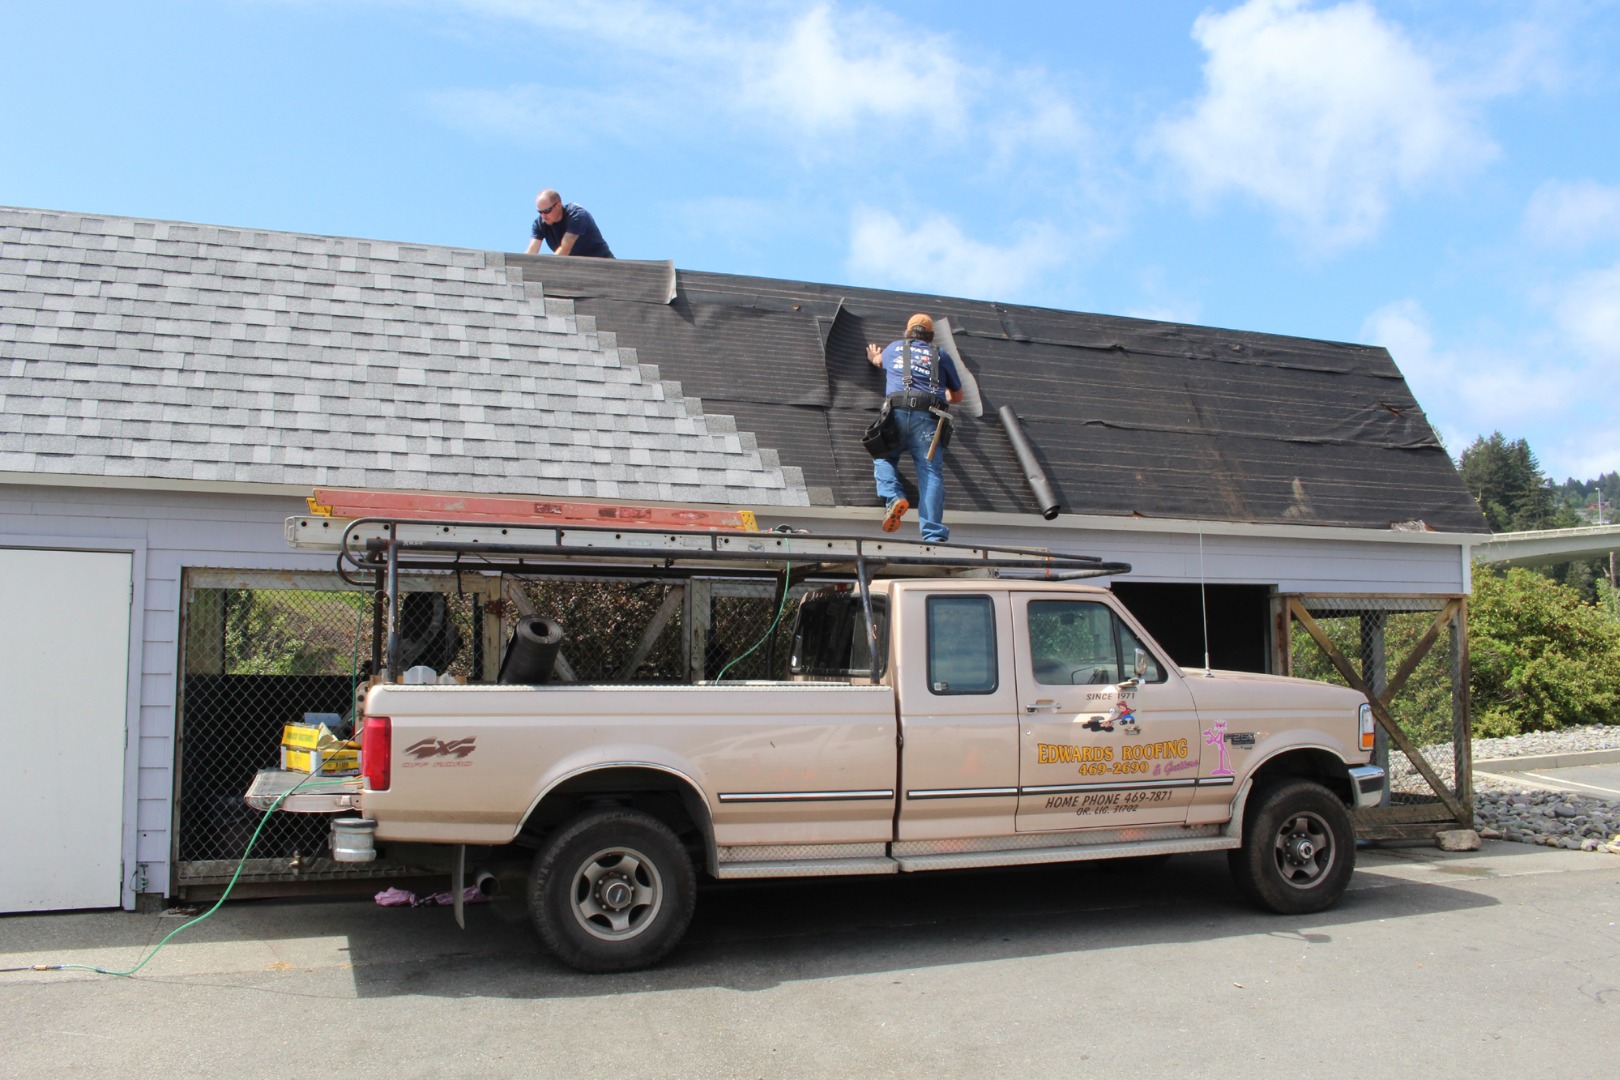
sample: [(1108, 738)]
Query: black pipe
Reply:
[(1039, 485)]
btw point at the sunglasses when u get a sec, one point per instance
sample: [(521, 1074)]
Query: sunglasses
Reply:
[(550, 208)]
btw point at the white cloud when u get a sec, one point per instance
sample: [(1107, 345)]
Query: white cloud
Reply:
[(1587, 455), (817, 71), (936, 256), (1467, 392), (1587, 310), (1322, 114), (833, 69), (1573, 214), (641, 26)]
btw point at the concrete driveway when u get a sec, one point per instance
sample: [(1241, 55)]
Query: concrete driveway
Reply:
[(1501, 963)]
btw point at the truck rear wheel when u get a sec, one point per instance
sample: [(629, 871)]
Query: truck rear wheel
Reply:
[(1299, 849), (612, 890)]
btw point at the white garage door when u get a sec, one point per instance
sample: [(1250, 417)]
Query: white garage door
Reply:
[(64, 659)]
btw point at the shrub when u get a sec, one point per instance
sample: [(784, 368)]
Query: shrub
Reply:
[(1541, 657)]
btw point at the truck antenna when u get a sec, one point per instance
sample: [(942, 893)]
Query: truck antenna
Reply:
[(1203, 600)]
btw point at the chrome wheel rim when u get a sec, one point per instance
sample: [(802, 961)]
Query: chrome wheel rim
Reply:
[(616, 893), (1303, 852)]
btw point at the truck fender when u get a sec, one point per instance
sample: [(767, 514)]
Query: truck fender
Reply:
[(1315, 761), (1240, 802), (692, 799)]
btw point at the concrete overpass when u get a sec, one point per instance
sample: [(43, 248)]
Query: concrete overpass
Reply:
[(1542, 546)]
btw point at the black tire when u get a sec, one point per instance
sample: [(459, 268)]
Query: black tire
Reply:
[(612, 890), (1299, 849)]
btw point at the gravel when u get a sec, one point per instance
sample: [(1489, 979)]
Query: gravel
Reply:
[(1506, 811)]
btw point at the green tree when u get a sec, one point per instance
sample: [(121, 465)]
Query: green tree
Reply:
[(291, 632), (1506, 480), (1516, 496), (1542, 657)]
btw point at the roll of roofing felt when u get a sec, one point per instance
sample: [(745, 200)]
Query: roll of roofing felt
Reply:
[(532, 652), (1039, 485)]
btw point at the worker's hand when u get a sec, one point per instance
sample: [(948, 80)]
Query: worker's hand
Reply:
[(874, 355)]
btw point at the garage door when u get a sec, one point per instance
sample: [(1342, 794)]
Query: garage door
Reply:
[(64, 658)]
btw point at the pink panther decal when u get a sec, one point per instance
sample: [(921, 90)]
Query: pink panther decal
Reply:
[(1215, 735)]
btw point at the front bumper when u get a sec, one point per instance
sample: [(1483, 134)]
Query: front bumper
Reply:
[(1367, 783)]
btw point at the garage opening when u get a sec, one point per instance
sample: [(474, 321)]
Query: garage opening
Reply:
[(1239, 621)]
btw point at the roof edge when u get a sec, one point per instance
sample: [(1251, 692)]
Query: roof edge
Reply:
[(1177, 526), (1032, 521)]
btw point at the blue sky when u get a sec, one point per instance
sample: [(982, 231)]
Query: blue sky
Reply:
[(1440, 178)]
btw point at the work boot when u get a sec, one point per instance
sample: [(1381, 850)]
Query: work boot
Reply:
[(897, 510)]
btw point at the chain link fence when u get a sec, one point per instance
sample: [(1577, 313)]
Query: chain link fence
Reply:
[(1378, 636), (264, 649), (629, 631)]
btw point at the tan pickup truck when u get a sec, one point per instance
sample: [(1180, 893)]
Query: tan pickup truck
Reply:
[(978, 718)]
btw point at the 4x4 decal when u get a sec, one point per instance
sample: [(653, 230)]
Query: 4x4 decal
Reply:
[(432, 748)]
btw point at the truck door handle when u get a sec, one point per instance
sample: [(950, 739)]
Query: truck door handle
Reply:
[(1042, 705)]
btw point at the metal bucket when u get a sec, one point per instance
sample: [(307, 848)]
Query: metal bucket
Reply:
[(353, 840)]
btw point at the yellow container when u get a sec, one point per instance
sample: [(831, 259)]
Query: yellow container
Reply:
[(333, 761), (308, 736)]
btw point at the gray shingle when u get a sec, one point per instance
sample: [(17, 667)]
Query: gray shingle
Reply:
[(262, 357)]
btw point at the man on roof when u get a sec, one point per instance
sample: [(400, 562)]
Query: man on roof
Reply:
[(920, 381), (567, 228)]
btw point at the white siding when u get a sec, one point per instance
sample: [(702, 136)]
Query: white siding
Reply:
[(171, 531), (168, 531)]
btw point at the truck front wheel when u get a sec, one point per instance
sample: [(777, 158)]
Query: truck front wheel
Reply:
[(612, 890), (1299, 849)]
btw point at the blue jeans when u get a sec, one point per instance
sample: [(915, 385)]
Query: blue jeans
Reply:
[(916, 432)]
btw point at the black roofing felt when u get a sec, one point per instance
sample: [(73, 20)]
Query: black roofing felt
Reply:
[(1129, 417)]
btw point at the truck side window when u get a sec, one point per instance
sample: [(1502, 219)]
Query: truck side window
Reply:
[(961, 645), (829, 636), (1073, 641)]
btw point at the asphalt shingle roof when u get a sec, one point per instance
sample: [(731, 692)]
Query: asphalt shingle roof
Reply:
[(1129, 417), (165, 350), (193, 352)]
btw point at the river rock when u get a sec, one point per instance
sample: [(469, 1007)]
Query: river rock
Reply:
[(1457, 840)]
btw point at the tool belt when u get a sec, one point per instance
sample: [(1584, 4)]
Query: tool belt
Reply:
[(882, 436), (914, 399)]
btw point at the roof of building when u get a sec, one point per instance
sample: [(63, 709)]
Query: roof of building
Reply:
[(173, 351)]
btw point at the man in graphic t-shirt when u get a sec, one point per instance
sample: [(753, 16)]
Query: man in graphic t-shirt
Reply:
[(918, 378)]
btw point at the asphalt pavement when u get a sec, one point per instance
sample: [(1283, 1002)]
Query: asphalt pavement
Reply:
[(1594, 773), (1499, 963)]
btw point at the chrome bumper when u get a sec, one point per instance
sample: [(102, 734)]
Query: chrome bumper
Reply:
[(1367, 781)]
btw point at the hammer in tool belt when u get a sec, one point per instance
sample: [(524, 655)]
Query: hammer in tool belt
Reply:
[(939, 428)]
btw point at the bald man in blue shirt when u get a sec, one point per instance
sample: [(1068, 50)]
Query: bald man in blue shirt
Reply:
[(568, 229)]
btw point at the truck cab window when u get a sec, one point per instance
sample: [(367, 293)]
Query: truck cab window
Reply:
[(1073, 641), (961, 645)]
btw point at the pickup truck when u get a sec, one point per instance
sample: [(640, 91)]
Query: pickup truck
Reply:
[(945, 708)]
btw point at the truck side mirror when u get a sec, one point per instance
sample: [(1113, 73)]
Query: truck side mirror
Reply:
[(1141, 663)]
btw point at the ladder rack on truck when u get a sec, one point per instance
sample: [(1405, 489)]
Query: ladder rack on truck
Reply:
[(379, 548)]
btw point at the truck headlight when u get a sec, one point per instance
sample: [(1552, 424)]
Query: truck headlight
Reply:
[(1365, 717)]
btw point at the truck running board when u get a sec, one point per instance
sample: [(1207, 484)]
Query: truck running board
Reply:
[(963, 860), (809, 868)]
